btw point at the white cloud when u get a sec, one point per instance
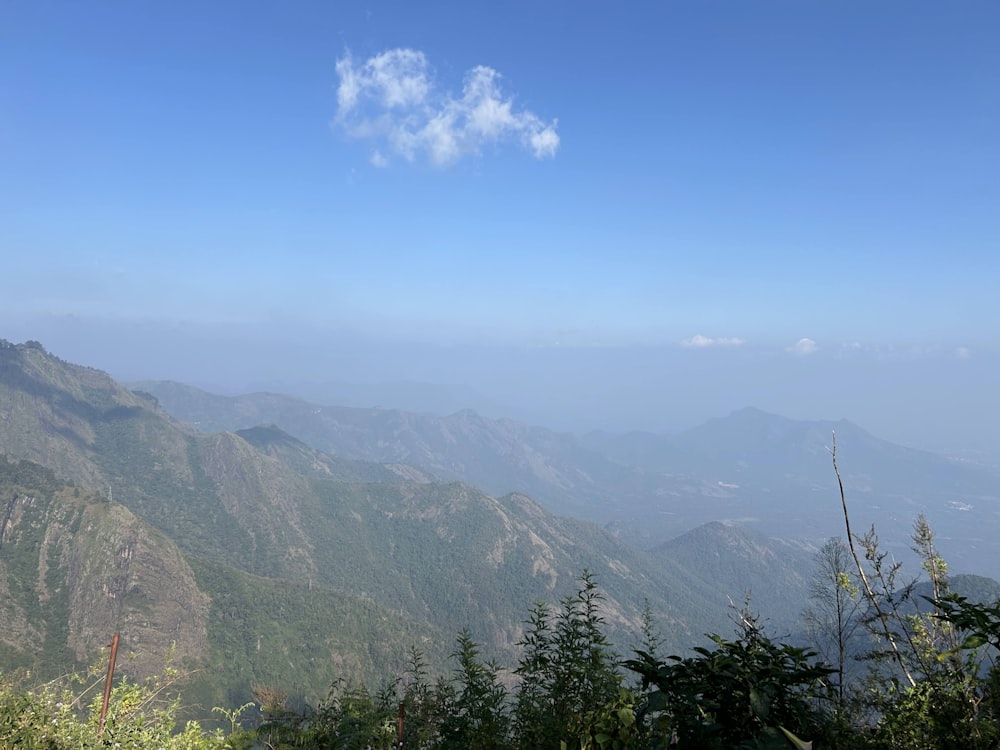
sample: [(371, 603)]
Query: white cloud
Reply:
[(392, 99), (804, 347), (700, 342), (963, 352), (397, 78), (544, 142)]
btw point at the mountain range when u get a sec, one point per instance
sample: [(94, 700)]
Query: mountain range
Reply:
[(757, 469), (266, 540), (262, 560)]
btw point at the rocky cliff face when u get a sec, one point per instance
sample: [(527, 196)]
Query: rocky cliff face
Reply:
[(75, 569), (131, 579)]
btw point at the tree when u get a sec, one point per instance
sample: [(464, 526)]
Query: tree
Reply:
[(834, 616), (351, 719), (534, 723), (421, 705), (477, 719), (568, 672)]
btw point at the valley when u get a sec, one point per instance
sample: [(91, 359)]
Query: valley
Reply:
[(262, 539)]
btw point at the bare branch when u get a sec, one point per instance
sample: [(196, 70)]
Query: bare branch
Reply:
[(882, 616)]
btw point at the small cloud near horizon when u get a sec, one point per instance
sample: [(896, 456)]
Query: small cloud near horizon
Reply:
[(393, 100), (700, 342), (804, 347)]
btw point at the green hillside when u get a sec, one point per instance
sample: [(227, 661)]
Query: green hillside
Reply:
[(292, 567)]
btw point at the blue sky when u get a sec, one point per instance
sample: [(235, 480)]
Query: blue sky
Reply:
[(765, 181)]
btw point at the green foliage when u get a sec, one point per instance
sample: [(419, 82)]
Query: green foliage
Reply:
[(274, 632), (233, 715), (749, 692), (945, 702), (535, 722), (925, 686), (570, 695), (568, 671), (613, 726), (476, 717), (933, 715), (739, 694), (421, 704), (352, 719), (55, 717), (957, 704), (979, 622)]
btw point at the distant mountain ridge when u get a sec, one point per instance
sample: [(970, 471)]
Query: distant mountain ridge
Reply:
[(411, 396), (500, 456), (753, 443), (753, 467)]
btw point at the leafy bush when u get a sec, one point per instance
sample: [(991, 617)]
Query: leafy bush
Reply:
[(742, 693), (55, 717)]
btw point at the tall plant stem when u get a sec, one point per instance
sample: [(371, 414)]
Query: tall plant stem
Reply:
[(882, 616)]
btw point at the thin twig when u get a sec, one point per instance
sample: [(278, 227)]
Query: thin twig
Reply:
[(883, 618)]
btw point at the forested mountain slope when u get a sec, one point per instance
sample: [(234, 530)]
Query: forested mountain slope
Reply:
[(305, 567)]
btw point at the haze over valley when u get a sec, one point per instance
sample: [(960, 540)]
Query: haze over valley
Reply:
[(450, 521)]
